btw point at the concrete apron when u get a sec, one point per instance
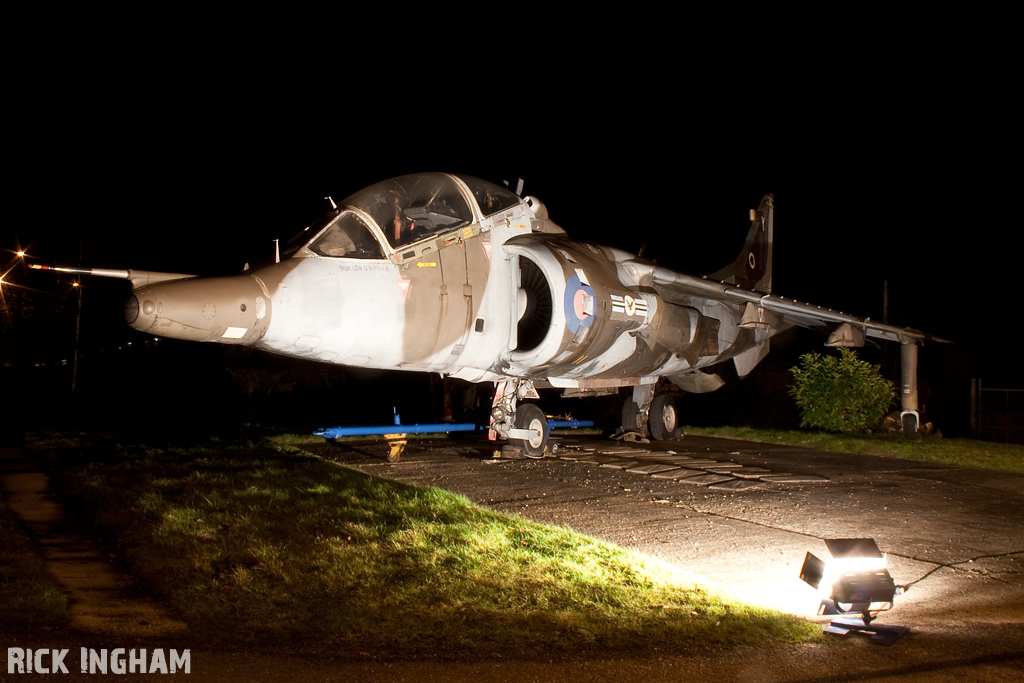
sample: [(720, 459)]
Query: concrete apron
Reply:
[(101, 600), (957, 532)]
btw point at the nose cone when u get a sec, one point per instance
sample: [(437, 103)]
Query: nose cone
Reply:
[(232, 310)]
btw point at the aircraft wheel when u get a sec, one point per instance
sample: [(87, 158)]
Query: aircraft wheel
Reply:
[(630, 416), (663, 418), (909, 425), (530, 416)]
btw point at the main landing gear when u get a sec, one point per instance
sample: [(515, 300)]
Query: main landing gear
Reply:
[(647, 411), (524, 425)]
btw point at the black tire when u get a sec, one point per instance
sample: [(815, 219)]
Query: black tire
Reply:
[(630, 423), (663, 418), (529, 416), (910, 425)]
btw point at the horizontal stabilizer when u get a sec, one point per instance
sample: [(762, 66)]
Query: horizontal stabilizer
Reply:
[(748, 360)]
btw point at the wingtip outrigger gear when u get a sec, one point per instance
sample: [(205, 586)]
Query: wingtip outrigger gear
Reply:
[(909, 416)]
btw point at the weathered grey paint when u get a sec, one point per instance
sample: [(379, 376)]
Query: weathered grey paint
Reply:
[(457, 300)]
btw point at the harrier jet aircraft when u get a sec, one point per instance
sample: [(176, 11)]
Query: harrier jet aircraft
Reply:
[(451, 274)]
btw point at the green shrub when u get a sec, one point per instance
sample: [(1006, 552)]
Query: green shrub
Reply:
[(840, 393)]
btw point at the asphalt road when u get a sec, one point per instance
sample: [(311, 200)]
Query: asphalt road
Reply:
[(741, 521)]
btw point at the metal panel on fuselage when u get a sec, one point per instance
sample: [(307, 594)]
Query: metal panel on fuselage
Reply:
[(445, 292), (336, 310)]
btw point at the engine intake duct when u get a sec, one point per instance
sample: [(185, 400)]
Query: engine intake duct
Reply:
[(537, 312)]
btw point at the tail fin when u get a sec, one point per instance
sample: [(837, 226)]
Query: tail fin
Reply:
[(753, 268)]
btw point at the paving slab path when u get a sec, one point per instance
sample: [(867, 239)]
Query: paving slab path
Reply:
[(103, 600)]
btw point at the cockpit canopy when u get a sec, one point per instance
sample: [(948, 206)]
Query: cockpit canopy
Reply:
[(348, 236), (405, 210)]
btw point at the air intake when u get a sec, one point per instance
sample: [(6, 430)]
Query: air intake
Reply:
[(536, 319)]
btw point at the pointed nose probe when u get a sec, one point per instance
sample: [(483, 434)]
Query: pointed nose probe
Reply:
[(230, 310)]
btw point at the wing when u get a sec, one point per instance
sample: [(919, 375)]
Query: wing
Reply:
[(844, 329)]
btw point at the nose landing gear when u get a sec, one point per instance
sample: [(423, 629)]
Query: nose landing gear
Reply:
[(525, 425)]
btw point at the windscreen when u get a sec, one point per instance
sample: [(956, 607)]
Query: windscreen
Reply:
[(348, 237)]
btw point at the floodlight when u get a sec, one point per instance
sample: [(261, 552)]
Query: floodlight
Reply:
[(854, 580)]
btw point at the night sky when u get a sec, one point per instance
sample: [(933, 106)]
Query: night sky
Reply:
[(204, 181)]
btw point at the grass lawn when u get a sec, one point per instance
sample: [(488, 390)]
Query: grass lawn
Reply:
[(262, 542), (964, 452)]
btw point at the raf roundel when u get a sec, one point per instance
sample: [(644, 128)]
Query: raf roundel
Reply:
[(576, 293)]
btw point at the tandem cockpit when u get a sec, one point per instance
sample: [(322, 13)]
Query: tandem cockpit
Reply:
[(403, 218)]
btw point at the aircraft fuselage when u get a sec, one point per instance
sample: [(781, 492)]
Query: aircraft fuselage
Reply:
[(492, 300), (450, 274)]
